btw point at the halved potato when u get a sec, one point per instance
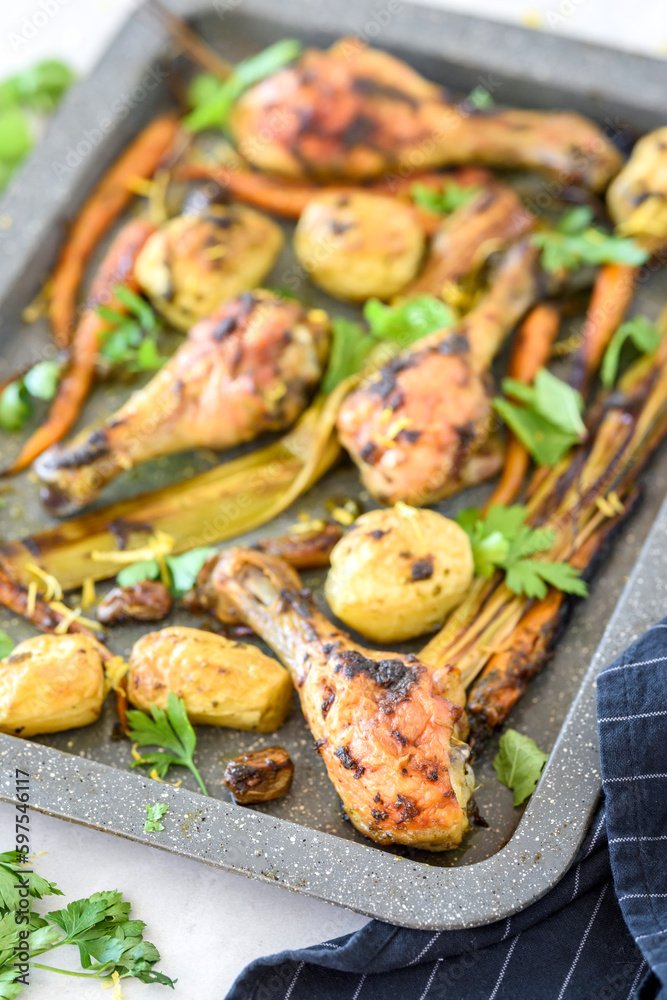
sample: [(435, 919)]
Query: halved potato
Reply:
[(222, 682), (50, 683)]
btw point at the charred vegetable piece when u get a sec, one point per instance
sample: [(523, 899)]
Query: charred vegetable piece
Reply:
[(259, 776), (148, 601), (304, 550)]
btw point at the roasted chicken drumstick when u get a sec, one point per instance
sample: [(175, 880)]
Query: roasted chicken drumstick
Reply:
[(354, 112), (419, 427), (249, 368), (387, 727)]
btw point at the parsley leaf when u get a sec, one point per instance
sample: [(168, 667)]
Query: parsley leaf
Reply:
[(12, 870), (15, 406), (641, 333), (502, 540), (519, 764), (550, 422), (480, 98), (212, 99), (443, 202), (131, 340), (6, 644), (183, 570), (153, 816), (42, 379), (401, 325), (171, 731), (574, 242)]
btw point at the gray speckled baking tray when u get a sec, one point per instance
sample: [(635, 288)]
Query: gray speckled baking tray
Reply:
[(301, 841)]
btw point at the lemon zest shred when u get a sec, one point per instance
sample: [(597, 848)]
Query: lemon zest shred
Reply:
[(72, 613), (115, 670), (160, 544), (53, 591), (88, 595), (32, 599), (156, 777)]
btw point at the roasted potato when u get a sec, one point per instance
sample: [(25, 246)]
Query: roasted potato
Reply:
[(222, 682), (193, 264), (637, 197), (50, 683), (357, 245), (398, 571)]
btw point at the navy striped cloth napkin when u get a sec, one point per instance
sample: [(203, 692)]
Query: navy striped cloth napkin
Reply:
[(600, 934)]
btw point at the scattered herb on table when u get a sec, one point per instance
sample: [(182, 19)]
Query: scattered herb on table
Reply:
[(401, 325), (171, 731), (111, 945), (6, 644), (212, 99), (480, 98), (154, 814), (41, 382), (641, 333), (502, 540), (131, 339), (451, 197), (574, 242), (549, 420), (518, 764), (38, 90)]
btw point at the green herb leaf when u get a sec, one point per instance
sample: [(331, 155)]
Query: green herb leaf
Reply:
[(518, 764), (171, 731), (573, 242), (137, 306), (641, 333), (350, 347), (443, 202), (15, 136), (15, 407), (6, 644), (549, 423), (39, 88), (502, 540), (480, 98), (185, 568), (408, 322), (145, 569), (211, 106), (131, 339), (12, 871), (42, 379), (148, 358), (153, 816)]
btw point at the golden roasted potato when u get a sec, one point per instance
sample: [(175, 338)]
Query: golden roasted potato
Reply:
[(637, 197), (193, 264), (50, 683), (356, 245), (222, 682), (398, 571)]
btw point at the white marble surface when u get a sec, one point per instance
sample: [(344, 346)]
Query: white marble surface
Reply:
[(208, 924)]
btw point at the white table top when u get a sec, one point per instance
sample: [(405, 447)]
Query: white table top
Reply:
[(208, 924)]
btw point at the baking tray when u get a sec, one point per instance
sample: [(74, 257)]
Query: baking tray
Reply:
[(301, 841)]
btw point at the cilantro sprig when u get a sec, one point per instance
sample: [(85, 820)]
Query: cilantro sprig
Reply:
[(641, 333), (574, 242), (183, 570), (111, 945), (518, 764), (548, 420), (40, 382), (401, 325), (502, 540), (212, 100), (172, 732), (131, 339), (443, 202)]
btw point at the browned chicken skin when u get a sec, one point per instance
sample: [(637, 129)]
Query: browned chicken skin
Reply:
[(385, 725), (249, 368), (354, 112), (419, 428)]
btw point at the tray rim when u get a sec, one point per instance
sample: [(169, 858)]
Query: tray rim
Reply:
[(396, 889)]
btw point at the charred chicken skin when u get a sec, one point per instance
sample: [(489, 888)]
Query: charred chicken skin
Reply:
[(247, 369), (387, 727), (419, 429), (353, 112)]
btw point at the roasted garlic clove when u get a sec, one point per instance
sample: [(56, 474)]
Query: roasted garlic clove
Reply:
[(50, 683), (222, 682), (259, 776)]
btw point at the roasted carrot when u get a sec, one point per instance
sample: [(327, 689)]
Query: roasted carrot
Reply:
[(116, 268), (101, 209), (611, 296), (530, 352), (15, 596)]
